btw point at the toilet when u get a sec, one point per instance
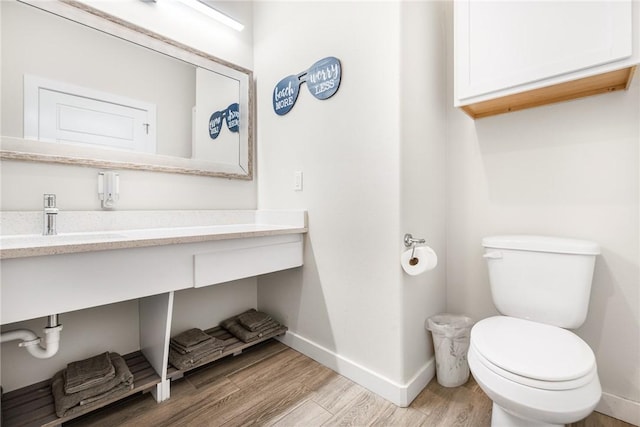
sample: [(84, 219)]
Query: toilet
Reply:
[(536, 371)]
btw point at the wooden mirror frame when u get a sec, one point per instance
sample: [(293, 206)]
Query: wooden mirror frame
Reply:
[(13, 148)]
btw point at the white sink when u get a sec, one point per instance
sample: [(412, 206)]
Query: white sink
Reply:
[(105, 258), (120, 230), (38, 240)]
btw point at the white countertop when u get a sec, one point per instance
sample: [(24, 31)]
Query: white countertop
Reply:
[(264, 223)]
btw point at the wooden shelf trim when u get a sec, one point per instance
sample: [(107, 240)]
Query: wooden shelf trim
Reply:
[(233, 346), (33, 405), (580, 88)]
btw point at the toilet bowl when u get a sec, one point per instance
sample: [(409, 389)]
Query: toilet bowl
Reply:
[(535, 374), (535, 370)]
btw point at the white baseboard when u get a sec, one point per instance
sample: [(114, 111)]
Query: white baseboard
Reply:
[(620, 408), (399, 394), (402, 395)]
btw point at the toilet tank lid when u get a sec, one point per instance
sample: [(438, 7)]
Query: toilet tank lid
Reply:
[(542, 244)]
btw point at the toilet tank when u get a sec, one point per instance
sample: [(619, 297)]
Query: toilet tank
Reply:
[(540, 278)]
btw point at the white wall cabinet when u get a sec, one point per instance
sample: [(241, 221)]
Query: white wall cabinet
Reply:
[(514, 55)]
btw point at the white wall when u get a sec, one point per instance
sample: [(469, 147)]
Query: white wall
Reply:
[(23, 183), (422, 169), (206, 307), (568, 169), (347, 296), (84, 334), (364, 153)]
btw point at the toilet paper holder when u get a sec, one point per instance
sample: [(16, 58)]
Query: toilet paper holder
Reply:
[(410, 241)]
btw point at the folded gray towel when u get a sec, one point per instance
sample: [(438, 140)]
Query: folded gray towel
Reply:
[(123, 379), (185, 361), (83, 374), (253, 320), (119, 389), (240, 332), (278, 328), (213, 343), (191, 337), (185, 350)]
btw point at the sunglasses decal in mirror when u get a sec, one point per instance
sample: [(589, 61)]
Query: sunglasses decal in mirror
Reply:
[(322, 78), (231, 115)]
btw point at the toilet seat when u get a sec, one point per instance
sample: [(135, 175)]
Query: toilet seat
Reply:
[(533, 354)]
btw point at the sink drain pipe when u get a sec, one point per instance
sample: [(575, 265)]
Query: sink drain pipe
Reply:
[(33, 343)]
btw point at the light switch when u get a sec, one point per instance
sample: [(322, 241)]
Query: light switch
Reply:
[(297, 181)]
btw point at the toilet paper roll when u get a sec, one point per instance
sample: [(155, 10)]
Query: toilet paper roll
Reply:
[(424, 259)]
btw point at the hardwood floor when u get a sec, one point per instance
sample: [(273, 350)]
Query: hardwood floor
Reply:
[(273, 385)]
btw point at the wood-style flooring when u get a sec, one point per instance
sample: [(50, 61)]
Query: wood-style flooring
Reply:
[(273, 385)]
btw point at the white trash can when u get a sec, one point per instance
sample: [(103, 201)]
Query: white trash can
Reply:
[(451, 343)]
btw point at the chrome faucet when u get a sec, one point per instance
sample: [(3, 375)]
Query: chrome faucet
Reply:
[(49, 215)]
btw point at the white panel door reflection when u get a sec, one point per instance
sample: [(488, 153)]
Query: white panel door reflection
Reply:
[(60, 112)]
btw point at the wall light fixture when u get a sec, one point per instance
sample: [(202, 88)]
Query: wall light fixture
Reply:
[(213, 13)]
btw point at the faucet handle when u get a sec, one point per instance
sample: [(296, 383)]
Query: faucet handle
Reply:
[(49, 215), (49, 200)]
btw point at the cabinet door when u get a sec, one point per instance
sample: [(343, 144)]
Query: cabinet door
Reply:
[(499, 45)]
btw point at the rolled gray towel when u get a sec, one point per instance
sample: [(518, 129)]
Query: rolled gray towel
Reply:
[(83, 374), (253, 320), (123, 379), (191, 337)]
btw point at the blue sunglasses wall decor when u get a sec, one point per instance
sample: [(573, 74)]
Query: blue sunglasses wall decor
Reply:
[(322, 78), (231, 115)]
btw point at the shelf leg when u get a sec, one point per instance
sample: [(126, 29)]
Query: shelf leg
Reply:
[(162, 391), (155, 328)]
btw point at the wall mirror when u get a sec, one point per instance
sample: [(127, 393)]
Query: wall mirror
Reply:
[(82, 87)]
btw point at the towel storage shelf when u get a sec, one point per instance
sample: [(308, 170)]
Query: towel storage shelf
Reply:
[(33, 405), (233, 346)]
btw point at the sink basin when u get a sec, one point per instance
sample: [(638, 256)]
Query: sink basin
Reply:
[(121, 230), (37, 240), (25, 244)]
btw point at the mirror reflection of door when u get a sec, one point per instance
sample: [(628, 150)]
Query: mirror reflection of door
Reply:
[(35, 42), (60, 112), (38, 43)]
